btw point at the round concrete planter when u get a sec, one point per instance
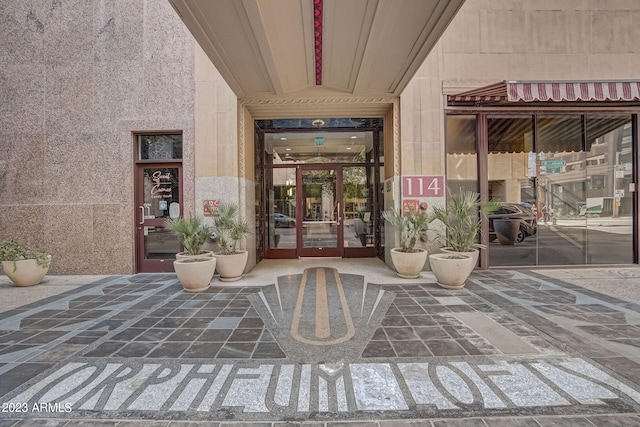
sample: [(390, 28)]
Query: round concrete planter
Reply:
[(195, 274), (27, 271), (473, 253), (204, 254), (506, 230), (231, 267), (408, 265), (451, 270)]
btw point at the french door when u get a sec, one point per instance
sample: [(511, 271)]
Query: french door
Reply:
[(158, 197), (320, 220)]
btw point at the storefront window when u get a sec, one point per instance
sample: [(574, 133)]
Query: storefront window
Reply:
[(563, 181), (462, 159)]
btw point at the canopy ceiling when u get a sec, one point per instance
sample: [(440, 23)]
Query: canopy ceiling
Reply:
[(305, 48)]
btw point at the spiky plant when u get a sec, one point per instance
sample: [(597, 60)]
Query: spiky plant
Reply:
[(461, 219), (230, 226), (410, 227), (191, 232)]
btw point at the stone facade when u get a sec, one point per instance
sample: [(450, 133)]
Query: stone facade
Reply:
[(77, 79)]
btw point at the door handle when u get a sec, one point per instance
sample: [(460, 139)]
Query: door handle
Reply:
[(339, 214), (141, 215)]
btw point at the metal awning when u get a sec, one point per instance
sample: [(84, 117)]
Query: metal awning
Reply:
[(510, 91)]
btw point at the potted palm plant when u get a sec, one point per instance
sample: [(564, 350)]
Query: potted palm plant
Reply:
[(194, 267), (411, 228), (23, 265), (231, 228), (461, 220)]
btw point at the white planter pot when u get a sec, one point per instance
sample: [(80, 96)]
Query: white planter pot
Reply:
[(408, 265), (231, 267), (451, 270), (473, 253), (195, 274), (204, 254), (27, 271)]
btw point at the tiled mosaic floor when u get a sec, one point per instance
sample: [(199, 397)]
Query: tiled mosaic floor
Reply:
[(508, 343)]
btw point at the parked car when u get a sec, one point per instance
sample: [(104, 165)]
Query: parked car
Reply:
[(520, 211), (284, 220)]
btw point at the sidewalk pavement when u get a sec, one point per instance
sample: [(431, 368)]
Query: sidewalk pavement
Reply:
[(325, 343)]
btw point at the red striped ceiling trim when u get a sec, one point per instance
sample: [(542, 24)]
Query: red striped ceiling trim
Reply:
[(317, 34)]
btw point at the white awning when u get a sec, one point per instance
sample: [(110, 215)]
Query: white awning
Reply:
[(549, 91)]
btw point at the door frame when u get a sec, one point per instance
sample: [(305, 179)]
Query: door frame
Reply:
[(151, 265), (338, 251), (262, 166)]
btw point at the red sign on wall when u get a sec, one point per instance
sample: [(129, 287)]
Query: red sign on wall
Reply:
[(211, 206), (409, 206), (423, 186)]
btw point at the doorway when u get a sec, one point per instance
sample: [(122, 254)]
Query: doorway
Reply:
[(320, 192), (158, 196), (322, 228)]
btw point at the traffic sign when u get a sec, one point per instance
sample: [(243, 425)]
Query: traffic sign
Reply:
[(553, 162)]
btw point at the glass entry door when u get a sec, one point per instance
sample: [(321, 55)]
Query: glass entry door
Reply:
[(320, 197), (158, 197)]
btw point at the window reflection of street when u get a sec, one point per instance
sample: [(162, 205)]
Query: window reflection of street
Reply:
[(565, 243)]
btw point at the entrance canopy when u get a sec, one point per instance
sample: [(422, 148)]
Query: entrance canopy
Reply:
[(510, 91), (311, 48)]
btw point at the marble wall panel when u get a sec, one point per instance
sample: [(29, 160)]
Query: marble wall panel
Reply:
[(67, 167), (21, 34), (22, 177), (165, 35), (113, 242), (23, 94), (117, 92), (24, 222), (111, 162), (68, 100), (168, 88), (68, 235), (118, 35), (68, 30)]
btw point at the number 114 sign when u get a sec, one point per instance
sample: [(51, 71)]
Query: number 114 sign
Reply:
[(423, 186)]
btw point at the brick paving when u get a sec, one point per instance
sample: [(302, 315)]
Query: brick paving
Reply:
[(138, 347)]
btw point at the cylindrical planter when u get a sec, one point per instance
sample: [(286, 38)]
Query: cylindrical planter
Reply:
[(408, 264), (506, 230), (451, 270), (195, 274), (27, 271), (231, 267)]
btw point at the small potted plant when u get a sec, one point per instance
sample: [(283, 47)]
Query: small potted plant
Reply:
[(194, 267), (411, 228), (25, 266), (230, 228), (461, 221)]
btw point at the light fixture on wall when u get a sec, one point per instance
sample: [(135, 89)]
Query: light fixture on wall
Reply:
[(318, 123)]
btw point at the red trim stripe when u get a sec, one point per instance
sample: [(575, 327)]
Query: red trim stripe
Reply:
[(598, 92), (317, 35), (555, 91), (571, 93)]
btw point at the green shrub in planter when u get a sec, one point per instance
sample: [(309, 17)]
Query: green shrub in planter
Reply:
[(14, 250)]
